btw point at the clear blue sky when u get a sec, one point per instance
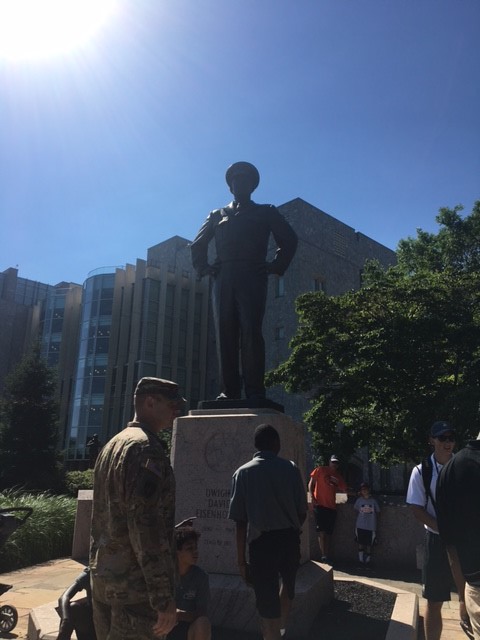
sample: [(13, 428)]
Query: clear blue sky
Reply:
[(367, 109)]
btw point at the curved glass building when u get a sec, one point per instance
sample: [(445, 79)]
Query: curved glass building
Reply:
[(92, 364)]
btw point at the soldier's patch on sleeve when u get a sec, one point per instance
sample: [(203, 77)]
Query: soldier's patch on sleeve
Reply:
[(154, 467), (148, 488), (150, 478)]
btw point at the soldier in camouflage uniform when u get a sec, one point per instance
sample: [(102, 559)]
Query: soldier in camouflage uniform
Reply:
[(132, 554)]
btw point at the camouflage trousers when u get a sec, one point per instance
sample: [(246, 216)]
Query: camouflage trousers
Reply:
[(124, 622)]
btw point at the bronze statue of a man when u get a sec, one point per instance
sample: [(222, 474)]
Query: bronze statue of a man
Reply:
[(240, 271)]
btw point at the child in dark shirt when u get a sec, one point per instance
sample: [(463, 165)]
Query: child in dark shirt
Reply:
[(193, 591)]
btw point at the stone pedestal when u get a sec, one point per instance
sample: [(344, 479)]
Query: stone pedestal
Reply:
[(233, 603), (241, 403), (207, 447), (83, 518)]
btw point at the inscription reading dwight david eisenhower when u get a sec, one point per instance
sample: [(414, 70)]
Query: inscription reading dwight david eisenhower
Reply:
[(217, 502)]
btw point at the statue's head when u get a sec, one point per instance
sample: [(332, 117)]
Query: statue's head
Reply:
[(242, 178)]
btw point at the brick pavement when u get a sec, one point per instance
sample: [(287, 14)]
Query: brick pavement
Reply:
[(35, 586)]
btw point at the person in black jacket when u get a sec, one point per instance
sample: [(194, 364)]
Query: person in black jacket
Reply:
[(458, 517), (242, 231)]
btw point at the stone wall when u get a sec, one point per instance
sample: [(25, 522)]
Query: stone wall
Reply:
[(399, 535)]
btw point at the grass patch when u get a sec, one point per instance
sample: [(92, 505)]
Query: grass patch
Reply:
[(47, 534)]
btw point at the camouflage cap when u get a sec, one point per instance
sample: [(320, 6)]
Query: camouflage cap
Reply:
[(246, 168), (152, 386)]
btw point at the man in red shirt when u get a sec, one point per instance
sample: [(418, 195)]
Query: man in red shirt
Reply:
[(325, 483)]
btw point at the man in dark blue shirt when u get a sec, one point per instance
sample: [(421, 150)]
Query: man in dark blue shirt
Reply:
[(269, 503)]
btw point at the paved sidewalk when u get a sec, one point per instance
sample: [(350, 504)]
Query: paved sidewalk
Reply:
[(35, 586), (44, 583)]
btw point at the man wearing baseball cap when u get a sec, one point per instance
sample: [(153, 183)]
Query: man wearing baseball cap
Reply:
[(436, 574), (132, 554), (324, 484), (242, 231)]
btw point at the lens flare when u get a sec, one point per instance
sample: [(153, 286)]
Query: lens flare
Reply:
[(31, 29)]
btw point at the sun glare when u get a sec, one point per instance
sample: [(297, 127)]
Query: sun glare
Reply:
[(31, 29)]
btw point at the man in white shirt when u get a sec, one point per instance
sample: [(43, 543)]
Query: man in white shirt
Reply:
[(436, 574)]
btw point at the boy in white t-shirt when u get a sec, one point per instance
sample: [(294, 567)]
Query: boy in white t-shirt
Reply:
[(366, 525)]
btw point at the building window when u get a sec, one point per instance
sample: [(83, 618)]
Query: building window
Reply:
[(279, 332), (279, 286), (318, 284), (339, 244)]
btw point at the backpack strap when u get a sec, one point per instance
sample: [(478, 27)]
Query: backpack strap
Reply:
[(427, 473)]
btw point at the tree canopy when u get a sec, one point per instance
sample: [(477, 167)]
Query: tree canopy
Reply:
[(29, 427), (381, 364)]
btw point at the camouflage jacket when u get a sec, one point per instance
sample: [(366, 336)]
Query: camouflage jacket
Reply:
[(132, 553)]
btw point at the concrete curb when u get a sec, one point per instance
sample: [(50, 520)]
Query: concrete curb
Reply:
[(43, 622), (404, 621)]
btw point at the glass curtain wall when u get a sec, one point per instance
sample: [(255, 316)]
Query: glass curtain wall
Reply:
[(89, 394), (52, 326)]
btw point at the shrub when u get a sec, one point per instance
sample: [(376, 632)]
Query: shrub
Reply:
[(46, 534), (75, 480)]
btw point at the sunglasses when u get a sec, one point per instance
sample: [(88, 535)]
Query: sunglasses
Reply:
[(446, 438)]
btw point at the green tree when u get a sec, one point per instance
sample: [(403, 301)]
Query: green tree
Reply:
[(29, 427), (455, 248), (382, 363)]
